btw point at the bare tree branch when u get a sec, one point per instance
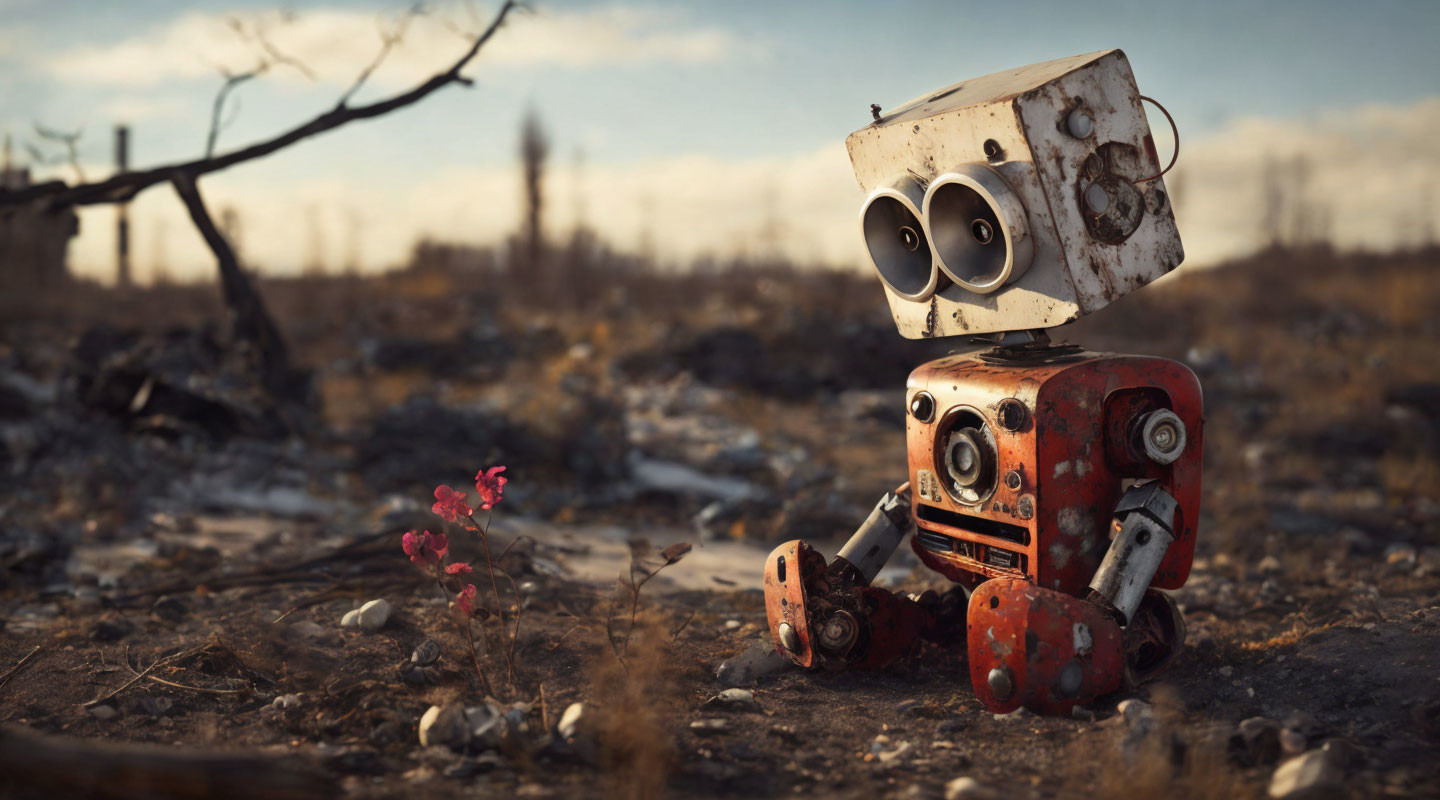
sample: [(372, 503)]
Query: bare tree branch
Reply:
[(231, 82), (67, 139), (270, 56), (124, 186), (388, 40)]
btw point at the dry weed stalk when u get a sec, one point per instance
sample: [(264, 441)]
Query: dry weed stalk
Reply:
[(633, 582)]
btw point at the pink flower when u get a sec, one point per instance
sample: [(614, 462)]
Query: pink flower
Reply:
[(458, 568), (425, 547), (465, 599), (490, 484), (450, 504)]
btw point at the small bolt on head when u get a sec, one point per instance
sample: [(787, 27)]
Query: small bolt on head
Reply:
[(1078, 123)]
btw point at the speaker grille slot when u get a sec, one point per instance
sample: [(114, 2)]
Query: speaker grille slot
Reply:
[(935, 542), (977, 525)]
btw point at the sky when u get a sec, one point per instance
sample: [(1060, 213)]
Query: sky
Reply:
[(695, 129)]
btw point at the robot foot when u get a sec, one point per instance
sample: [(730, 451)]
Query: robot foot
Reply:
[(1042, 649)]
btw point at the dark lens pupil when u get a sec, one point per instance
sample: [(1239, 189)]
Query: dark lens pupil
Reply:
[(909, 239), (982, 231)]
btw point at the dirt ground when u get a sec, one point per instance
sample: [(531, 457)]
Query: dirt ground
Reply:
[(228, 563)]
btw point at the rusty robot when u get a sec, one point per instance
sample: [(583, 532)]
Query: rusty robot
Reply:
[(1058, 488)]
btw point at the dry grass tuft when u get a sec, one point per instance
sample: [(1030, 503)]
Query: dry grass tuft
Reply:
[(634, 737), (1160, 763)]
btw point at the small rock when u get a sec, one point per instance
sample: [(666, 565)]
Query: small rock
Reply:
[(171, 609), (569, 726), (1311, 776), (103, 713), (490, 725), (891, 756), (732, 624), (707, 727), (88, 600), (757, 661), (1270, 565), (461, 770), (967, 788), (1292, 742), (351, 619), (907, 706), (1343, 754), (1083, 714), (952, 725), (1304, 724), (285, 701), (445, 726), (155, 706), (372, 616), (426, 654), (410, 672), (310, 631), (1226, 671), (1256, 741), (1019, 714), (734, 700), (1135, 711)]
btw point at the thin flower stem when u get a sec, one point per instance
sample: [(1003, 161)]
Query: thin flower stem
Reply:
[(464, 626), (495, 588)]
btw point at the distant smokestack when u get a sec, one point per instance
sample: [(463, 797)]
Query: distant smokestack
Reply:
[(122, 211)]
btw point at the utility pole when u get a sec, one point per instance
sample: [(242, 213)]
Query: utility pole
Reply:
[(122, 211)]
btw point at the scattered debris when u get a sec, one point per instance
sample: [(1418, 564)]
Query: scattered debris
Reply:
[(759, 660), (1311, 776), (734, 700)]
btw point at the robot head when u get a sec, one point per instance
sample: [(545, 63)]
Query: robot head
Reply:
[(1024, 199)]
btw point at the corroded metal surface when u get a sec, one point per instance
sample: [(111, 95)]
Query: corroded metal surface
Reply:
[(1040, 649), (1068, 457), (1016, 124), (785, 597)]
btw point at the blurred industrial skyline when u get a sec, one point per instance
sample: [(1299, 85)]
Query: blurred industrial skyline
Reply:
[(705, 130)]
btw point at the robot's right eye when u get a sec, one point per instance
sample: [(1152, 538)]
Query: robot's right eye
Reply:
[(895, 239)]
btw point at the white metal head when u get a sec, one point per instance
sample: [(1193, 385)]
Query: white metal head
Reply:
[(1023, 199)]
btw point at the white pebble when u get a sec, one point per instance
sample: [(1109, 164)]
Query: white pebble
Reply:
[(370, 617)]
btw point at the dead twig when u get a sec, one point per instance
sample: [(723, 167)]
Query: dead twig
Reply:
[(671, 554), (15, 670), (70, 140), (676, 635), (124, 186), (139, 676), (172, 684), (388, 40)]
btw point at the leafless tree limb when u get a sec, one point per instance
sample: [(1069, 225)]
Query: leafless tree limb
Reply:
[(232, 81), (124, 186), (388, 40), (70, 140)]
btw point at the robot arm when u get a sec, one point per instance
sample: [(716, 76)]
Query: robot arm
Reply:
[(828, 615)]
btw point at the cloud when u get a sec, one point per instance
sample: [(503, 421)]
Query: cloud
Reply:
[(1373, 178), (335, 44), (1374, 173)]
